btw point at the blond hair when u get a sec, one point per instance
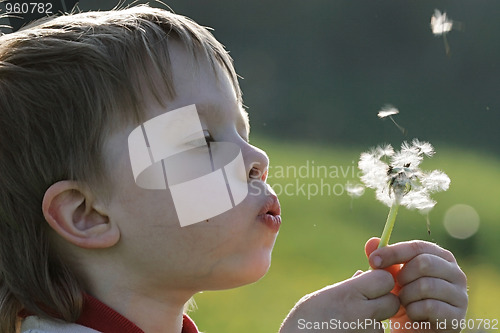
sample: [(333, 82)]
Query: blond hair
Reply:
[(65, 83)]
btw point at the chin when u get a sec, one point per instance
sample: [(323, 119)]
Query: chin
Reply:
[(244, 271), (256, 270)]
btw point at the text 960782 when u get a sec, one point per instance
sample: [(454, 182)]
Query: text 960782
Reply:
[(28, 8)]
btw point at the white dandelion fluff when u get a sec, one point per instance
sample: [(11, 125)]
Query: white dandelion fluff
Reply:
[(399, 180), (440, 24), (389, 110), (355, 190)]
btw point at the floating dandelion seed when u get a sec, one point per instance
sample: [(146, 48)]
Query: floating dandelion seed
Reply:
[(388, 111), (401, 182), (354, 191), (441, 25)]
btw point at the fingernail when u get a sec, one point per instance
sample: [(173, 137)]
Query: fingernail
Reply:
[(377, 261)]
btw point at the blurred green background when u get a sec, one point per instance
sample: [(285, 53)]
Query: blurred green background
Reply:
[(315, 74), (319, 70)]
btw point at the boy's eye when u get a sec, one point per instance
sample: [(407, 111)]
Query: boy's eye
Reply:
[(208, 136)]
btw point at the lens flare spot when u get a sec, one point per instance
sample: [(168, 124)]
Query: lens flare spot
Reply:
[(461, 221)]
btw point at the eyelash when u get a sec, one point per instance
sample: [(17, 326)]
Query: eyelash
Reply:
[(208, 136)]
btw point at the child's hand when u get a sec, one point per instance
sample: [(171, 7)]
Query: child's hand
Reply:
[(354, 305), (430, 285)]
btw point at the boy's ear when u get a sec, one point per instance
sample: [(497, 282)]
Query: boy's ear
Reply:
[(72, 212)]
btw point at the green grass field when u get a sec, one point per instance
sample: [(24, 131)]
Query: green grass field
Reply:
[(323, 233)]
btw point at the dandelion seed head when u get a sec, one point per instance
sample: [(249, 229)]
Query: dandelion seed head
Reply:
[(401, 181), (387, 110), (440, 24)]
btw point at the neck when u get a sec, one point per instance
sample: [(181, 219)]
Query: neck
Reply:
[(144, 298), (156, 313)]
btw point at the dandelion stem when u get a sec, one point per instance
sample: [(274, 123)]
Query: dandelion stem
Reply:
[(389, 224)]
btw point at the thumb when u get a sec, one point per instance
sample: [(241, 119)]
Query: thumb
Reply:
[(370, 246)]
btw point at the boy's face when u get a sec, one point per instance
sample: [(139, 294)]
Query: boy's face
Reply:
[(231, 249)]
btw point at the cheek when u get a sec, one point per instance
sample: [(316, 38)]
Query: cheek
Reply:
[(234, 234), (151, 237), (142, 211)]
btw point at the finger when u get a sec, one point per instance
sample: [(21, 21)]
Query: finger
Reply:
[(434, 311), (371, 245), (401, 253), (385, 306), (376, 286), (373, 284), (430, 265), (433, 288)]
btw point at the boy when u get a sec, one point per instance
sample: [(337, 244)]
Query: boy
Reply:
[(87, 101)]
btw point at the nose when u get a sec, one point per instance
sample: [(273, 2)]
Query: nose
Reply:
[(256, 162)]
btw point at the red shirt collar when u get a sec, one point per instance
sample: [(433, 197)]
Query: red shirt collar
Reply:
[(100, 317)]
